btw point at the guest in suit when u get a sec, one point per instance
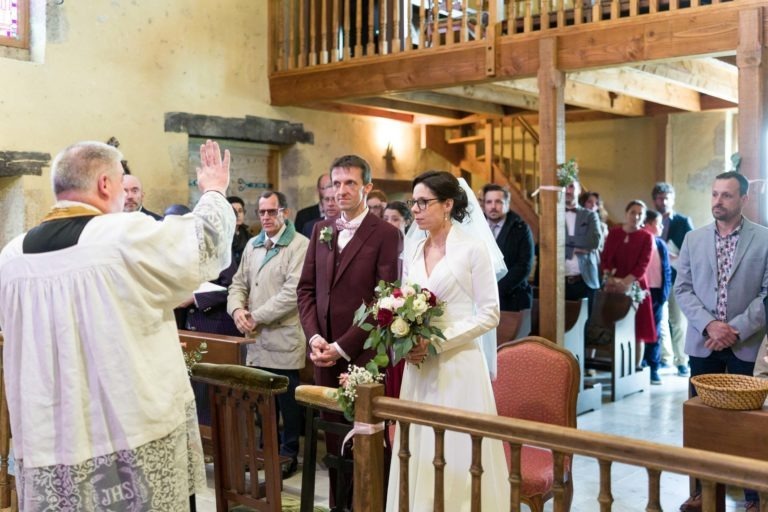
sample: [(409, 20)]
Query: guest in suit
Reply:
[(582, 257), (514, 238), (262, 302), (134, 196), (659, 283), (722, 276), (346, 259), (330, 211), (592, 202), (675, 227), (314, 211)]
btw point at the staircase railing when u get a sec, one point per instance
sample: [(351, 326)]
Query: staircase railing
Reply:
[(502, 150)]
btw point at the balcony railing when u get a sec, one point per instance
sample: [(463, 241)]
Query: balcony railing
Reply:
[(310, 33)]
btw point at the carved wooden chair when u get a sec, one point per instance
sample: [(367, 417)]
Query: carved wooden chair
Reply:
[(537, 381), (239, 395)]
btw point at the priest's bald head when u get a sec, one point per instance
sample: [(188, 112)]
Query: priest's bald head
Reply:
[(90, 172)]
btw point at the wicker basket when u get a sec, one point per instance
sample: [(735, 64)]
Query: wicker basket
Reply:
[(729, 391)]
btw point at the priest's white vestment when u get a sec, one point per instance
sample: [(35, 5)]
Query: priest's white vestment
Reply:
[(102, 412)]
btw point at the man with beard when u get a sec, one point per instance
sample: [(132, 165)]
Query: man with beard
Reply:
[(134, 197), (722, 276), (514, 238)]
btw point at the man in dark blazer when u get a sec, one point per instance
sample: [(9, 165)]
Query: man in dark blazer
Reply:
[(315, 211), (134, 197), (514, 238), (346, 259), (675, 227), (330, 210)]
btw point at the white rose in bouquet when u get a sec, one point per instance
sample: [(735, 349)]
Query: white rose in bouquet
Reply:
[(400, 327)]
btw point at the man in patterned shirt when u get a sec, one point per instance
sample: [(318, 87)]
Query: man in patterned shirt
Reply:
[(722, 276)]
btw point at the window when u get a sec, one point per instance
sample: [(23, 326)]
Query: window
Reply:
[(14, 23)]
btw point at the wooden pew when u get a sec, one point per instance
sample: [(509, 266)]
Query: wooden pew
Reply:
[(221, 350), (513, 325), (240, 395), (590, 394), (614, 313)]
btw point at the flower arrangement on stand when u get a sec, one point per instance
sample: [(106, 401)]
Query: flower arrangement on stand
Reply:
[(347, 392), (613, 284), (192, 357), (396, 320), (567, 173)]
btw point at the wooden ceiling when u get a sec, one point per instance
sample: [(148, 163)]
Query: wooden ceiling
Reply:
[(690, 85)]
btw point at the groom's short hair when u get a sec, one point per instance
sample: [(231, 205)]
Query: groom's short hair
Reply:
[(348, 161)]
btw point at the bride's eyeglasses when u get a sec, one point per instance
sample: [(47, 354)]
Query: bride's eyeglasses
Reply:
[(420, 203)]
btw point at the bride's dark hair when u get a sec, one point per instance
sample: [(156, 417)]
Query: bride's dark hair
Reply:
[(445, 186)]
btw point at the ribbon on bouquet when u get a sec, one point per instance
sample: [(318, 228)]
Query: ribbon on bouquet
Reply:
[(555, 188), (364, 429)]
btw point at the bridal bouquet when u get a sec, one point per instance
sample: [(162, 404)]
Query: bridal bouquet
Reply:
[(400, 315)]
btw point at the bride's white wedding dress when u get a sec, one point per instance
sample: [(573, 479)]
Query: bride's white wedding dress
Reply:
[(457, 377)]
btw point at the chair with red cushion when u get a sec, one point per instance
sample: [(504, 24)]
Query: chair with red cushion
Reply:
[(538, 381)]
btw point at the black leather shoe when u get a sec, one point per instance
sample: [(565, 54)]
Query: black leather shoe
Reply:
[(290, 469)]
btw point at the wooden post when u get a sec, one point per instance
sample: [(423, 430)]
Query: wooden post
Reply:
[(753, 91), (369, 470), (552, 221)]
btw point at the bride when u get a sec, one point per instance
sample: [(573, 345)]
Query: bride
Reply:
[(453, 263)]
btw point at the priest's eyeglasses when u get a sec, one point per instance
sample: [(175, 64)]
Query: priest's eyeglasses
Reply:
[(270, 213), (420, 203)]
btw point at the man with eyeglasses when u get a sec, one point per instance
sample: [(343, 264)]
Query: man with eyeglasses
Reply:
[(262, 302), (346, 259)]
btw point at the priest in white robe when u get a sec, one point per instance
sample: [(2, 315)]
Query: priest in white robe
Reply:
[(102, 412)]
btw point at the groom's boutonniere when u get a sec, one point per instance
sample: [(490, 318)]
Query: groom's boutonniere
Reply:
[(326, 235)]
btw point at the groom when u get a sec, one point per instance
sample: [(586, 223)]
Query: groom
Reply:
[(346, 258)]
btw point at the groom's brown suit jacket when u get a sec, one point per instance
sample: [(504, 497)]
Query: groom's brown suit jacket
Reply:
[(334, 284)]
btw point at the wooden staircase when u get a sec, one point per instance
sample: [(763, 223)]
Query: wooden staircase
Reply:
[(501, 150)]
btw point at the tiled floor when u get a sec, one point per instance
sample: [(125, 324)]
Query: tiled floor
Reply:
[(654, 416)]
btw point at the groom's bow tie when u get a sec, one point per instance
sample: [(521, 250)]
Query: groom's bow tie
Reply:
[(341, 224)]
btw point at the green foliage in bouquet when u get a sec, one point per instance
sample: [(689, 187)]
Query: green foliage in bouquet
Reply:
[(398, 317)]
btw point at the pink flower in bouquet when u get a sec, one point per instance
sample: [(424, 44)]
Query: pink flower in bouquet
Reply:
[(397, 293), (343, 379), (432, 298), (384, 317)]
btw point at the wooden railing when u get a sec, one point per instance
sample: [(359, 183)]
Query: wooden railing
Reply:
[(711, 468), (308, 33)]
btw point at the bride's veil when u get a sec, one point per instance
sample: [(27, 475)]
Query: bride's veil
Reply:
[(476, 226)]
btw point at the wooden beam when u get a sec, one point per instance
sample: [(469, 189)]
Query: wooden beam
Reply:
[(446, 101), (494, 94), (753, 122), (551, 85), (587, 96), (359, 110), (707, 76), (641, 85), (403, 106)]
